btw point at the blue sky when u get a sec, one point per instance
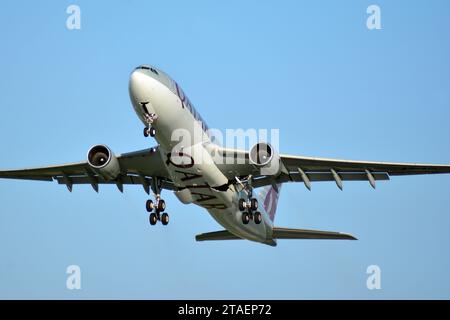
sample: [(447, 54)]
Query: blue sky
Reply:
[(311, 69)]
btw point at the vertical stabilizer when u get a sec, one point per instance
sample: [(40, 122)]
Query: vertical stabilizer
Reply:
[(269, 196)]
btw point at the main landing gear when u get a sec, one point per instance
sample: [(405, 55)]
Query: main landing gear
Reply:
[(249, 211), (249, 207), (157, 212), (158, 207)]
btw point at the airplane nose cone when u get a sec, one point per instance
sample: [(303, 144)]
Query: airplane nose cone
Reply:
[(141, 90), (136, 84)]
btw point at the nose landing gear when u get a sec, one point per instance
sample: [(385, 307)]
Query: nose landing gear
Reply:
[(149, 119), (149, 131)]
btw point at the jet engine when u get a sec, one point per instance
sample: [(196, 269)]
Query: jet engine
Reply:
[(264, 156), (104, 162)]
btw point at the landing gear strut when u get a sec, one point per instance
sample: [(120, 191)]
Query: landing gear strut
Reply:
[(249, 207)]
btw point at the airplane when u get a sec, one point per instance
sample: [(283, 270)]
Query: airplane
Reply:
[(221, 180)]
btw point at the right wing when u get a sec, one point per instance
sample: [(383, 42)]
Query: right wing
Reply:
[(139, 167)]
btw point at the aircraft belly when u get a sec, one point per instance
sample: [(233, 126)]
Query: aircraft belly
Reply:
[(222, 205), (191, 166)]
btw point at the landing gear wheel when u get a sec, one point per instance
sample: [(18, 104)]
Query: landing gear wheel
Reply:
[(152, 131), (146, 132), (149, 205), (253, 204), (257, 217), (241, 204), (245, 218), (165, 219), (153, 218), (161, 205)]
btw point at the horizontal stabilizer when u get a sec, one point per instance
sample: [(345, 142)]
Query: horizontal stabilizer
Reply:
[(280, 233), (216, 235), (285, 233)]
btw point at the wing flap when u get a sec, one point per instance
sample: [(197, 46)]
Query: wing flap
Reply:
[(124, 179), (318, 177)]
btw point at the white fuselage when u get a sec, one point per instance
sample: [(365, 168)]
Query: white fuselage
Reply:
[(185, 145)]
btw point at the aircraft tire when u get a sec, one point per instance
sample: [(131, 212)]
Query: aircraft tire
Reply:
[(153, 218), (245, 218), (165, 219), (241, 204), (149, 206), (253, 204), (257, 217), (161, 205)]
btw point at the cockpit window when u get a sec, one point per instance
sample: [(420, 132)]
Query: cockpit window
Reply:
[(144, 67)]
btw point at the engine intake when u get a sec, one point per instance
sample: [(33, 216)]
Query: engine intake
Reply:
[(264, 156), (104, 162)]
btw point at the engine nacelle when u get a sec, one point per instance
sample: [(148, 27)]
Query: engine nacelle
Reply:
[(264, 156), (104, 162)]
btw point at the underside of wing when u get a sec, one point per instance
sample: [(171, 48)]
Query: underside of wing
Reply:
[(139, 167), (45, 173), (236, 163), (308, 169), (391, 168)]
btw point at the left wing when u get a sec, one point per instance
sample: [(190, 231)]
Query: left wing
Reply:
[(235, 163), (321, 169), (140, 167)]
